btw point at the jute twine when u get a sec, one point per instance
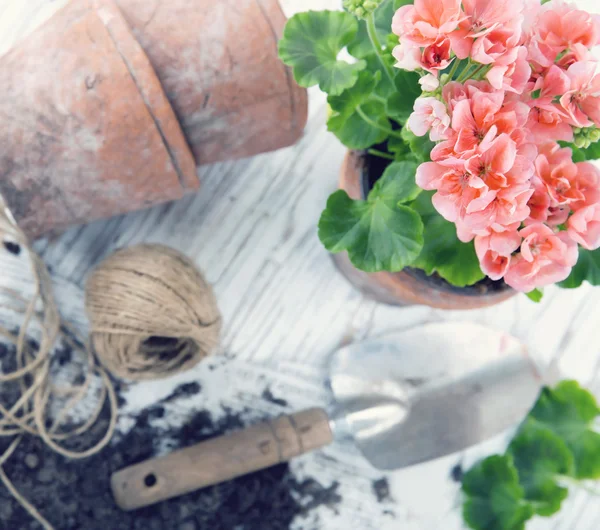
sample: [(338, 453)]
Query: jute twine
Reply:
[(152, 313), (38, 392)]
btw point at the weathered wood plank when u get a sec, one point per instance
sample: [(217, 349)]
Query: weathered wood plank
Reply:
[(252, 231)]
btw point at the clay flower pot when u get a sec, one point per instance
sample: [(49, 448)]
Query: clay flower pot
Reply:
[(410, 286), (218, 63), (86, 129)]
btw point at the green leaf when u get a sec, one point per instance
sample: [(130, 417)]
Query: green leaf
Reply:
[(536, 93), (587, 269), (349, 124), (535, 296), (494, 498), (592, 152), (379, 233), (582, 155), (400, 104), (399, 179), (443, 252), (541, 457), (569, 411), (310, 45), (421, 146), (399, 3)]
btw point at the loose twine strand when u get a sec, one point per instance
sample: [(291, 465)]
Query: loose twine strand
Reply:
[(30, 414), (152, 314)]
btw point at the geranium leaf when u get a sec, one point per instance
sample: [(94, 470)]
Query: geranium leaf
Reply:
[(358, 120), (541, 457), (421, 146), (379, 233), (399, 3), (587, 269), (535, 296), (569, 411), (494, 498), (311, 44), (443, 252), (400, 104), (399, 180), (592, 152)]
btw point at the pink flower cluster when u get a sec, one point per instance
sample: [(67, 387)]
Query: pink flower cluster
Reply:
[(528, 81)]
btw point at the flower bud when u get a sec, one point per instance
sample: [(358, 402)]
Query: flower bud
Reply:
[(361, 8)]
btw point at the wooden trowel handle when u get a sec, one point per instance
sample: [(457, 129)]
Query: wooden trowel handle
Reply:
[(221, 459)]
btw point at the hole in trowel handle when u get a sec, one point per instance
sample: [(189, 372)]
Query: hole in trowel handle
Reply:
[(150, 480)]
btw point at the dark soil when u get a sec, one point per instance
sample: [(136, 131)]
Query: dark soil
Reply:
[(267, 395), (373, 170), (12, 247), (381, 489), (76, 495), (457, 473)]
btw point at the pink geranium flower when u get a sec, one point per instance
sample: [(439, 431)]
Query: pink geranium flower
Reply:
[(539, 203), (456, 187), (473, 120), (429, 116), (584, 227), (556, 169), (408, 56), (425, 22), (500, 208), (582, 101), (509, 75), (436, 56), (484, 17), (495, 251), (547, 120), (545, 258), (559, 28), (588, 185)]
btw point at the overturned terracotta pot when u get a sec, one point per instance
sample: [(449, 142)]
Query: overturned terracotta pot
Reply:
[(86, 129), (218, 63), (410, 286)]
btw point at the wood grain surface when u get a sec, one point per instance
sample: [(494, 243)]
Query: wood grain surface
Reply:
[(252, 230)]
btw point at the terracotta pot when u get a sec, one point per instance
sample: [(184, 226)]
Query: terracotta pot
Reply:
[(86, 129), (411, 286), (218, 63)]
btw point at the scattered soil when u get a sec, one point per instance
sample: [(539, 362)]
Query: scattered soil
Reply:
[(12, 247), (76, 495), (381, 489), (457, 473), (267, 395)]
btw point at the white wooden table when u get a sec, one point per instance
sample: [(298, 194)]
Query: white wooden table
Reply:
[(252, 230)]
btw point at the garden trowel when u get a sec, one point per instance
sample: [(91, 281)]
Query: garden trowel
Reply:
[(404, 398)]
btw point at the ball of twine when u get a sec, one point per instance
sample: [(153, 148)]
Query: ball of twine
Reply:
[(152, 314)]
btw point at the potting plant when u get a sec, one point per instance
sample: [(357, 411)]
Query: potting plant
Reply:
[(483, 117)]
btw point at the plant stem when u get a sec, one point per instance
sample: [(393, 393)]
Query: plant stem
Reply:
[(477, 70), (464, 75), (453, 69), (372, 123), (379, 98), (380, 154), (372, 31)]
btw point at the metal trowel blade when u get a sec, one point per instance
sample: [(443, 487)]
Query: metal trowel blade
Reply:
[(417, 395)]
